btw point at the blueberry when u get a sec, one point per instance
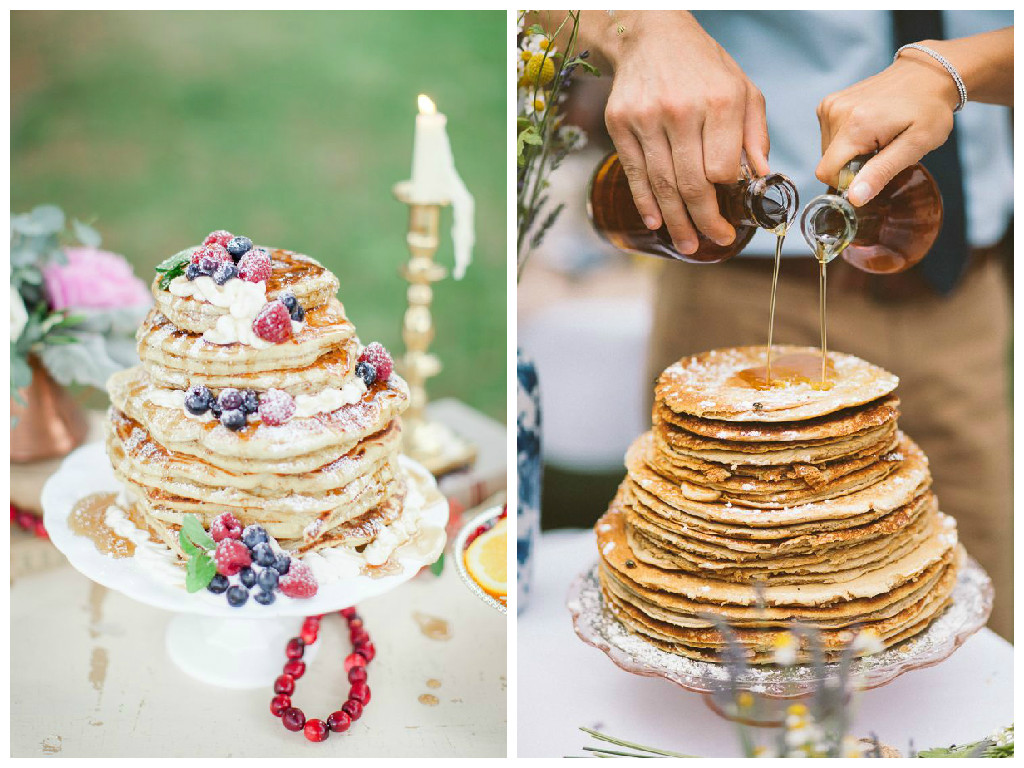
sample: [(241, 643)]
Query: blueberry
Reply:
[(263, 554), (238, 246), (218, 584), (253, 535), (208, 265), (289, 301), (247, 576), (298, 314), (268, 579), (224, 273), (233, 419), (230, 399), (265, 598), (250, 401), (198, 400), (192, 272), (215, 409), (366, 372), (282, 564), (237, 596)]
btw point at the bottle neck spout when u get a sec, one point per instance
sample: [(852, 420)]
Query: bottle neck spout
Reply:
[(772, 202)]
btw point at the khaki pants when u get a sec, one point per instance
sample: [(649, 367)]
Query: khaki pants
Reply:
[(951, 354)]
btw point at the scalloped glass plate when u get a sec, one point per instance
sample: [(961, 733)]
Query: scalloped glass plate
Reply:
[(596, 626)]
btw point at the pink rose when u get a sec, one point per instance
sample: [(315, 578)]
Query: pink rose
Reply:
[(93, 279)]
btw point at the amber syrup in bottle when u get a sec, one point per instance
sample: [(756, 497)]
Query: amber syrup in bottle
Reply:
[(769, 202), (890, 233)]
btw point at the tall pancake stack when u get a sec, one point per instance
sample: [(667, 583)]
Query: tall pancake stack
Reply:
[(326, 476), (767, 507)]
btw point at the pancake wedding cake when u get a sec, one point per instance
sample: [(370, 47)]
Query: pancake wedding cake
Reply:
[(765, 507), (258, 442)]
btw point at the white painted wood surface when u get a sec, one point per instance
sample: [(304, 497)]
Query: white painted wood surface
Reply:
[(90, 677)]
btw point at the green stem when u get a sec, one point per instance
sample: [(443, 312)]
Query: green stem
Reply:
[(631, 745)]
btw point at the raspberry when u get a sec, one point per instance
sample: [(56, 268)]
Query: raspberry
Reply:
[(225, 526), (255, 266), (299, 581), (273, 323), (378, 357), (209, 257), (220, 237), (276, 407), (231, 556)]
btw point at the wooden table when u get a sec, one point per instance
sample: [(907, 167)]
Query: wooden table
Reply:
[(90, 677)]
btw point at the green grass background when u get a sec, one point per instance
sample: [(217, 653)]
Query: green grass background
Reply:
[(289, 127)]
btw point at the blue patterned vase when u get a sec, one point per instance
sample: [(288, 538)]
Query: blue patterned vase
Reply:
[(529, 472)]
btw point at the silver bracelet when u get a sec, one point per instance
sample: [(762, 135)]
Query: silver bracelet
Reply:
[(961, 89)]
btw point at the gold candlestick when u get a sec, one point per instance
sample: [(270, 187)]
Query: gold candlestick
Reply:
[(431, 443)]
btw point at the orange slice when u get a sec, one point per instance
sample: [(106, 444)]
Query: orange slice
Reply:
[(486, 559)]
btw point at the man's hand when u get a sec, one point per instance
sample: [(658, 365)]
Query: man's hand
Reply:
[(906, 110), (680, 113)]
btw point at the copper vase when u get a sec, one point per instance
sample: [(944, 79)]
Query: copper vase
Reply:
[(50, 424)]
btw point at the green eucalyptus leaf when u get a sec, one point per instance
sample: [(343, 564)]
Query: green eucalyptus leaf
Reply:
[(86, 361), (49, 218), (86, 234)]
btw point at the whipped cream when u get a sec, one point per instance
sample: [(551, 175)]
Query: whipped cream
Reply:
[(242, 299), (157, 559), (345, 562), (166, 398), (330, 400)]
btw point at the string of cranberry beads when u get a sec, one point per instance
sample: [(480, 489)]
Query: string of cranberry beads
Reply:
[(28, 522), (362, 654)]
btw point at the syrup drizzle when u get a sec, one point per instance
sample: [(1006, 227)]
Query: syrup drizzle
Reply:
[(780, 236)]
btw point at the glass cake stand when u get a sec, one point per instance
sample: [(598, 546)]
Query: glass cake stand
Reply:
[(597, 626), (208, 639)]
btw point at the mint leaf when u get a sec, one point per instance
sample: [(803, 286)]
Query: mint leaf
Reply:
[(438, 565), (190, 548), (173, 267), (199, 572), (195, 532)]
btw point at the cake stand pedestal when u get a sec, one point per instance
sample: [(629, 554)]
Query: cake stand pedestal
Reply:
[(219, 645), (596, 625)]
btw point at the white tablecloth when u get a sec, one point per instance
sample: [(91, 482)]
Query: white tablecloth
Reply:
[(564, 683)]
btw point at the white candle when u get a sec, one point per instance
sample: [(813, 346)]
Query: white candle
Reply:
[(432, 162), (435, 180)]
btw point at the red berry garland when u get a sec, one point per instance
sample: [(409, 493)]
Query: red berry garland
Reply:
[(362, 654), (29, 522)]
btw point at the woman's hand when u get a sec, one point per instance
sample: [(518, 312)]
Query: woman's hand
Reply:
[(904, 112), (680, 113)]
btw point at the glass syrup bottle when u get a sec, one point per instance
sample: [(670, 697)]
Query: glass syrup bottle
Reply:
[(890, 233), (769, 202)]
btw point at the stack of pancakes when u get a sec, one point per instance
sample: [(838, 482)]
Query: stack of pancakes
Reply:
[(318, 480), (765, 507)]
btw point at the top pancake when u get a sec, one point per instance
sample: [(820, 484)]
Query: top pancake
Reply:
[(707, 386), (298, 274)]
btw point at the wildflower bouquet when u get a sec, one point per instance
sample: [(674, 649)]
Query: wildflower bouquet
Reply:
[(74, 307), (543, 76)]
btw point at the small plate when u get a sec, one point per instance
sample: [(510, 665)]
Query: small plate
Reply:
[(488, 518)]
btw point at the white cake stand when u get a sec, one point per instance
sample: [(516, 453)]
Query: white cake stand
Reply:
[(208, 639)]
